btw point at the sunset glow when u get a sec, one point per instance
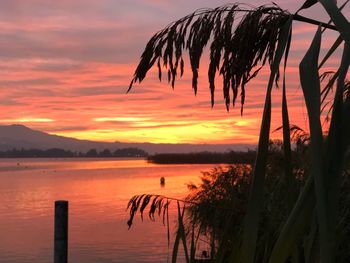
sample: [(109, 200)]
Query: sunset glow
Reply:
[(68, 75)]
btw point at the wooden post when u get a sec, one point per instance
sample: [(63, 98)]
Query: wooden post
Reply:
[(61, 232)]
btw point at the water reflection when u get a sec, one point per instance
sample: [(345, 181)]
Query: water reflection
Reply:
[(98, 191)]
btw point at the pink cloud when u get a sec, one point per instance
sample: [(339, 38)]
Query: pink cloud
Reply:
[(71, 62)]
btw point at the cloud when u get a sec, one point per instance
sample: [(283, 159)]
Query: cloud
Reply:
[(25, 120), (70, 63), (120, 119)]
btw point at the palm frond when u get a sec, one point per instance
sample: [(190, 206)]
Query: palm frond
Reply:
[(238, 50)]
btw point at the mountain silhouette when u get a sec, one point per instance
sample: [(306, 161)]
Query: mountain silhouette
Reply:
[(19, 136)]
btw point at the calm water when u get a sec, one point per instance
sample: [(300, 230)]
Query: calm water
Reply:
[(98, 191)]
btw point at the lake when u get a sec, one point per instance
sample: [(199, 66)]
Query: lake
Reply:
[(98, 191)]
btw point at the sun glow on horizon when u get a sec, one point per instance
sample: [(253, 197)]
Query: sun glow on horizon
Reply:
[(172, 132), (74, 83), (120, 119), (26, 120)]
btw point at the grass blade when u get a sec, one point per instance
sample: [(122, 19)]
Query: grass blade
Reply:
[(309, 243), (337, 42), (307, 4), (182, 232), (300, 216), (336, 149), (294, 228), (310, 84), (250, 230), (180, 236), (288, 174), (333, 48), (176, 247), (193, 245), (338, 18)]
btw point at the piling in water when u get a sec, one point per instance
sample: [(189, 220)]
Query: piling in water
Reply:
[(61, 232)]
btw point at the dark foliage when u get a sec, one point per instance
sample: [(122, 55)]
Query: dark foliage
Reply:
[(157, 204), (132, 152), (204, 157), (56, 152), (216, 206), (298, 202), (329, 79), (238, 50), (27, 153)]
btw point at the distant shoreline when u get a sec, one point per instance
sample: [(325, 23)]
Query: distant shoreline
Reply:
[(74, 157), (231, 157), (61, 153)]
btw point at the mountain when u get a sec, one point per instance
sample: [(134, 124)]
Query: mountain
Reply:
[(20, 136)]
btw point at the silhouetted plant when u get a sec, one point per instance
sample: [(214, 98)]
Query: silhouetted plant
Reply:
[(237, 52)]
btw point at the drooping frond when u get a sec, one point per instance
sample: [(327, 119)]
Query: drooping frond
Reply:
[(330, 78), (347, 90), (239, 46), (157, 204), (297, 134)]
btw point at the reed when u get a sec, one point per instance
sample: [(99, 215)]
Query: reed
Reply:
[(238, 50)]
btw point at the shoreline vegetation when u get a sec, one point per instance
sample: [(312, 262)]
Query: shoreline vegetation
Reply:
[(61, 153), (230, 157), (294, 205)]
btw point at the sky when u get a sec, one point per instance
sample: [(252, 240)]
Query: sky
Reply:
[(65, 67)]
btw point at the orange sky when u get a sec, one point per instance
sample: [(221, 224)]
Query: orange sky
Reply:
[(65, 67)]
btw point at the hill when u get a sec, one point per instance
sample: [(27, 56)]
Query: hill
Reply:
[(20, 136)]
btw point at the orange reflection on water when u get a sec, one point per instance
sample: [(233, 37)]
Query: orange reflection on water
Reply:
[(98, 192)]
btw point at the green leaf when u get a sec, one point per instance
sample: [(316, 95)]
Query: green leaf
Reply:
[(193, 244), (255, 203), (296, 223), (336, 149), (180, 235), (309, 243), (307, 4), (309, 78), (288, 174), (302, 211), (300, 217), (310, 84), (334, 47), (328, 87), (176, 247), (337, 18)]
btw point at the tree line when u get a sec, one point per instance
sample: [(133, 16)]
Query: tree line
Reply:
[(57, 152), (231, 157)]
